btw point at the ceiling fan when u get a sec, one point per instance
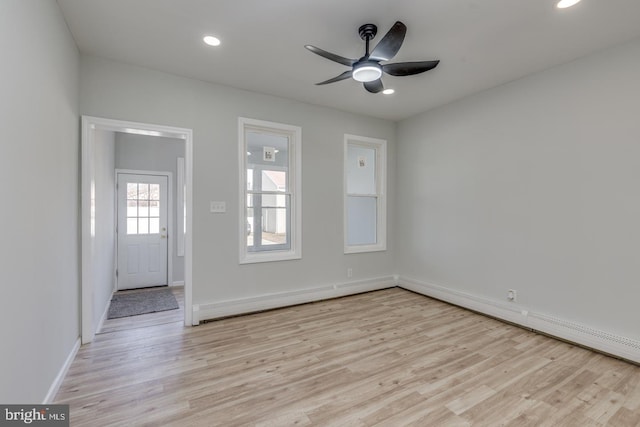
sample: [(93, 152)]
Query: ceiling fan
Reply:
[(368, 69)]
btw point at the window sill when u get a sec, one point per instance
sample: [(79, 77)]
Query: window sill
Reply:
[(364, 248), (274, 256)]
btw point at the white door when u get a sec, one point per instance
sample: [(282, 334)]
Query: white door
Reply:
[(142, 230)]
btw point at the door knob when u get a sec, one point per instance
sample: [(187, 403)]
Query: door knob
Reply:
[(162, 236)]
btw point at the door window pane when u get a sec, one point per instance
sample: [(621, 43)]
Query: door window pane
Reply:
[(132, 208), (154, 208), (143, 225), (132, 226), (143, 191), (143, 208), (154, 225), (132, 191), (154, 192)]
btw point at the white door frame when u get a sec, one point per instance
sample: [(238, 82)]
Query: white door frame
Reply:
[(170, 209), (88, 171)]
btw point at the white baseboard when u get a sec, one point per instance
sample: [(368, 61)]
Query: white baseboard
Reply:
[(587, 336), (177, 283), (104, 316), (214, 310), (57, 382)]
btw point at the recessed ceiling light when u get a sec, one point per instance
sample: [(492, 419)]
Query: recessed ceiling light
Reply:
[(389, 91), (563, 4), (211, 41)]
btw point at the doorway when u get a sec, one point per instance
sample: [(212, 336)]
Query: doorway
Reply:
[(91, 249), (142, 230)]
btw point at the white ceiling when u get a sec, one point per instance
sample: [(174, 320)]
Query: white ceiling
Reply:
[(480, 43)]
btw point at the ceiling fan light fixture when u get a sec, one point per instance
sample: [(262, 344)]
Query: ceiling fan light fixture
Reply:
[(367, 72), (563, 4), (368, 69)]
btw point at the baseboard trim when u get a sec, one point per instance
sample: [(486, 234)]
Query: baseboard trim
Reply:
[(583, 335), (104, 316), (216, 310), (177, 283), (57, 382)]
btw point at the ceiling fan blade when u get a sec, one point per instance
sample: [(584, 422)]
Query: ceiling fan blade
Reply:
[(331, 56), (409, 68), (390, 43), (343, 76), (374, 86)]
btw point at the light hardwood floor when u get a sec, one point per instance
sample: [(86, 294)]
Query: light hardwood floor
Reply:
[(149, 319), (390, 358)]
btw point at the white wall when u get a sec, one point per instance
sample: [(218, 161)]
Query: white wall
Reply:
[(114, 90), (39, 158), (152, 153), (535, 186), (104, 241)]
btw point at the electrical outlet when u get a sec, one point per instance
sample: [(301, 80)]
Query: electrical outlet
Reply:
[(217, 207), (511, 295), (349, 272)]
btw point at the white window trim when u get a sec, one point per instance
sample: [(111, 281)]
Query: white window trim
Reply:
[(380, 146), (294, 133)]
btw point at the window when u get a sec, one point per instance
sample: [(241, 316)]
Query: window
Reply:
[(365, 205), (270, 227), (143, 208)]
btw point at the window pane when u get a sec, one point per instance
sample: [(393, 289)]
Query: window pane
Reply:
[(132, 191), (143, 225), (361, 170), (154, 208), (361, 220), (270, 224), (154, 192), (154, 225), (267, 149), (274, 180), (132, 208), (274, 200), (249, 226), (274, 226), (249, 179), (143, 208), (132, 225), (143, 191)]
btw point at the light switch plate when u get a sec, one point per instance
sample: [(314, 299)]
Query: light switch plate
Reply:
[(218, 207)]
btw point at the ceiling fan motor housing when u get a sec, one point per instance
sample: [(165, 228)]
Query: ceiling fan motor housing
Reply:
[(367, 31)]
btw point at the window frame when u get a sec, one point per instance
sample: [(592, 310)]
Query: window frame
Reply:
[(294, 187), (380, 148)]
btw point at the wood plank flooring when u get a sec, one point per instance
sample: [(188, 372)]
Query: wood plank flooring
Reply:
[(386, 358), (149, 319)]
